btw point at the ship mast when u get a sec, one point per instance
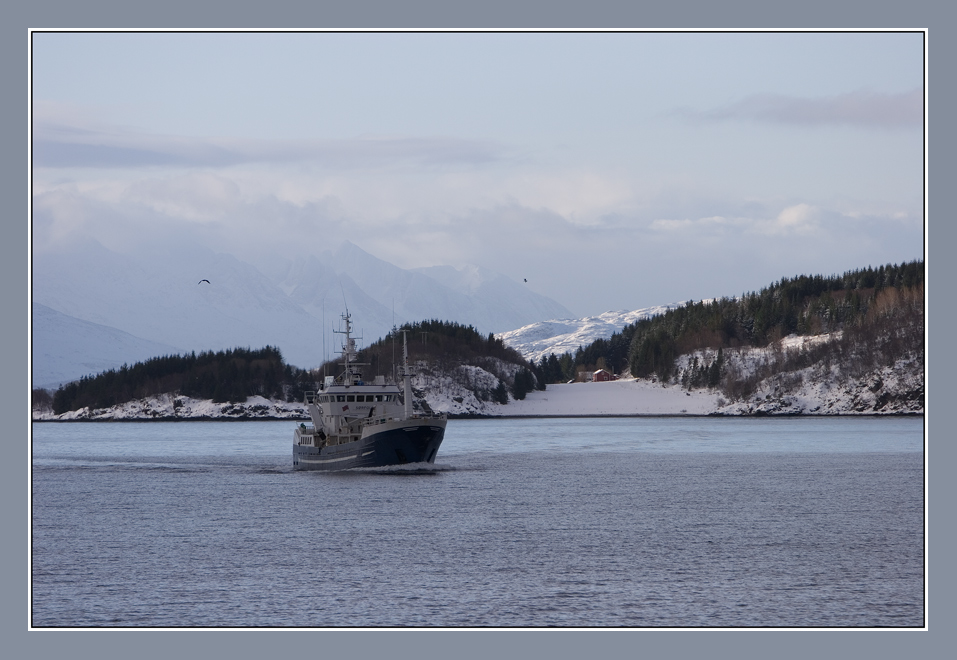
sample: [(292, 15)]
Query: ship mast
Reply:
[(349, 352), (406, 377)]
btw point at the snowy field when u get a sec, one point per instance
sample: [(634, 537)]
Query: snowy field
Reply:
[(901, 386), (620, 397)]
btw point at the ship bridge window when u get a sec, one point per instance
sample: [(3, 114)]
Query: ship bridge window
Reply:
[(378, 397), (340, 398), (351, 398)]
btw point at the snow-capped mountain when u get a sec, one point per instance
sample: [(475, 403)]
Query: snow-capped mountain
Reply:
[(160, 297), (196, 299), (566, 335), (379, 293), (66, 345), (496, 302)]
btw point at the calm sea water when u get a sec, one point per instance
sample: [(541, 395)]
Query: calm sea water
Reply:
[(642, 522)]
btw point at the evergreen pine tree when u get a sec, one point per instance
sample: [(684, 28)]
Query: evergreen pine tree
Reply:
[(500, 393)]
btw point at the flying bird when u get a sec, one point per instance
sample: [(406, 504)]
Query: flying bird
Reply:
[(201, 281), (526, 281)]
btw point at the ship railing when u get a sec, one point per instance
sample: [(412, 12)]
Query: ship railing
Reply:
[(377, 420), (382, 420), (305, 435)]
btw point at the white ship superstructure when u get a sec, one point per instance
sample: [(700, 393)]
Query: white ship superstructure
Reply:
[(356, 423)]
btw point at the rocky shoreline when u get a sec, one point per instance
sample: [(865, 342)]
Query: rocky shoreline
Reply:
[(886, 392)]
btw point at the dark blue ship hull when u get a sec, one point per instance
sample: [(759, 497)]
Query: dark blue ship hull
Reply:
[(397, 443)]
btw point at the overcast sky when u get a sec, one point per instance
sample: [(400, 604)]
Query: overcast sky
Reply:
[(610, 170)]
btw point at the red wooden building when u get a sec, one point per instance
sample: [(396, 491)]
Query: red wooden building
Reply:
[(602, 376)]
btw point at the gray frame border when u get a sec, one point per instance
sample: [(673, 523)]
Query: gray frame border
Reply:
[(435, 14)]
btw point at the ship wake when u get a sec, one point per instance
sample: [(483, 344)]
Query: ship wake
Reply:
[(406, 469)]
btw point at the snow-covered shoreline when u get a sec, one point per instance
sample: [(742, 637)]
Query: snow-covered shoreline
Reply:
[(171, 407), (626, 397), (465, 392)]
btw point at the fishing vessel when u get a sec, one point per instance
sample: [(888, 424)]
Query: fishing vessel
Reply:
[(357, 423)]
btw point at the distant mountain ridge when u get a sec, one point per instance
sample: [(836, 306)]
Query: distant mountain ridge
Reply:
[(565, 335), (64, 345), (156, 296), (381, 294)]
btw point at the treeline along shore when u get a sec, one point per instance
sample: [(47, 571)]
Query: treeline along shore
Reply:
[(224, 376), (234, 375), (869, 317), (854, 324)]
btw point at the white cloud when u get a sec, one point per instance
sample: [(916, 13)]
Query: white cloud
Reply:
[(800, 218), (199, 196), (859, 211), (580, 196), (671, 225), (859, 108), (62, 143)]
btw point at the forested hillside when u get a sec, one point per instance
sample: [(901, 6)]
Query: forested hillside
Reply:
[(231, 375), (236, 374), (879, 313), (451, 348)]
